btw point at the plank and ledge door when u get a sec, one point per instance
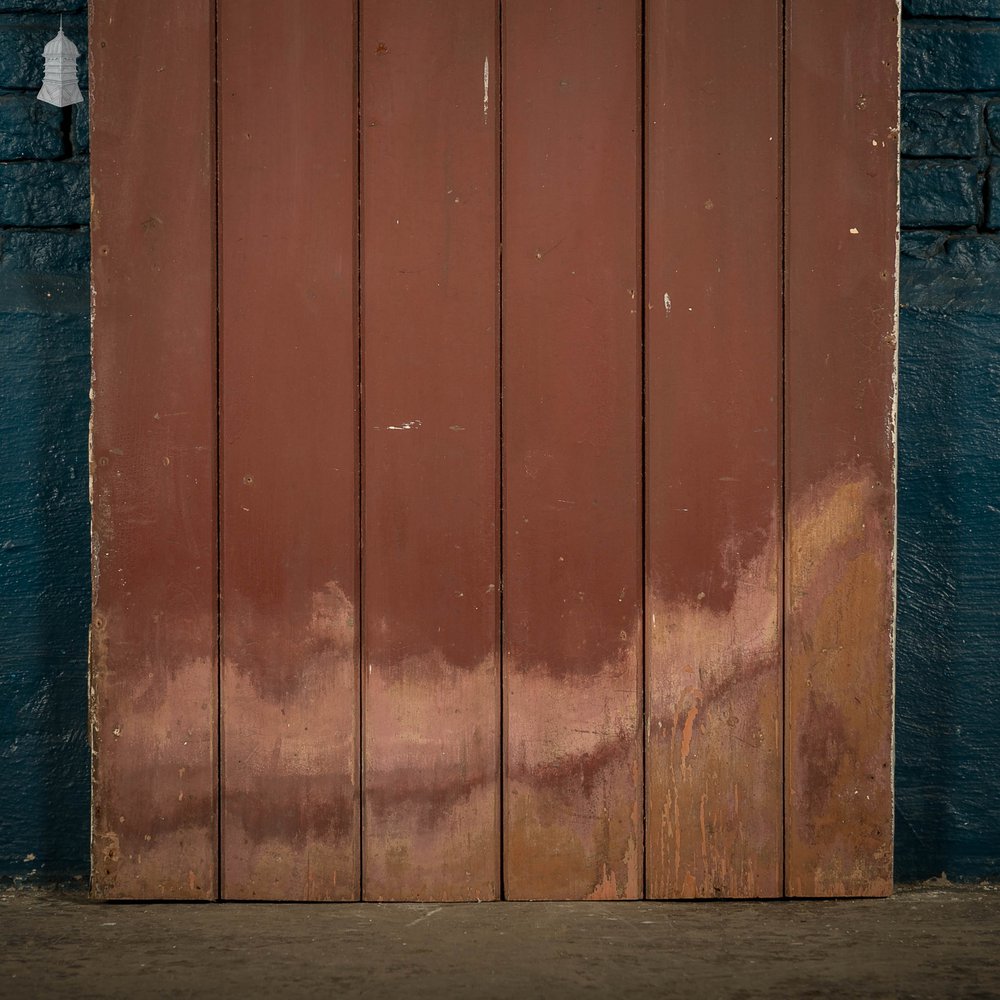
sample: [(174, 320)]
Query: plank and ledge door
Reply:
[(492, 453)]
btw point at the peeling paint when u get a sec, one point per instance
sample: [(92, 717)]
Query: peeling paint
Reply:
[(486, 90)]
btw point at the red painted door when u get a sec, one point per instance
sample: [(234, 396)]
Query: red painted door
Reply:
[(493, 459)]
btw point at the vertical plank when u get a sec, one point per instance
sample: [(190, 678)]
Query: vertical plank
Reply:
[(153, 638), (713, 447), (572, 445), (429, 366), (842, 80), (289, 402)]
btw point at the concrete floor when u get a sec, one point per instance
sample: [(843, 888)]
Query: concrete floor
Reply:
[(924, 942)]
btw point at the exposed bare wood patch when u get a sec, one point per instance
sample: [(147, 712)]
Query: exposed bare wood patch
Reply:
[(574, 767), (714, 738), (146, 845), (840, 610)]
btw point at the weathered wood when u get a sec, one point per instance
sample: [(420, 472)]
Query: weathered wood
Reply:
[(572, 433), (431, 439), (153, 639), (713, 447), (289, 453), (734, 554), (842, 78)]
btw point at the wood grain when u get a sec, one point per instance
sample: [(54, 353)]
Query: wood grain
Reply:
[(572, 433), (431, 439), (289, 454), (153, 636), (842, 86), (713, 447)]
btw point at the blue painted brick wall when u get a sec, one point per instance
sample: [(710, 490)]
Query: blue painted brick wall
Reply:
[(44, 379), (948, 677), (948, 639)]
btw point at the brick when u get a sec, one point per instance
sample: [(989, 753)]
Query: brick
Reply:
[(922, 244), (44, 194), (61, 253), (940, 193), (22, 39), (80, 129), (951, 55), (953, 8), (43, 295), (956, 273), (29, 129), (941, 125)]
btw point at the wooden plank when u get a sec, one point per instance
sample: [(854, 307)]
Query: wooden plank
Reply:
[(153, 639), (572, 444), (429, 312), (289, 417), (713, 447), (842, 80)]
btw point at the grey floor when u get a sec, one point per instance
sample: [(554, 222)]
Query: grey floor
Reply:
[(931, 941)]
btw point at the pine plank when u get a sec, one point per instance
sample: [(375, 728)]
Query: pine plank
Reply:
[(713, 447), (289, 452), (430, 133), (842, 162), (572, 422), (153, 666)]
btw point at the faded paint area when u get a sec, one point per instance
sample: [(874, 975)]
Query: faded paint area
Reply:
[(714, 740), (573, 763), (151, 846), (431, 798), (290, 737), (839, 765), (152, 696)]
